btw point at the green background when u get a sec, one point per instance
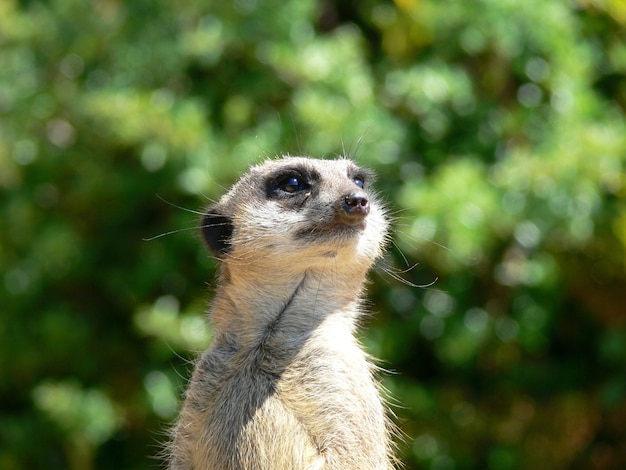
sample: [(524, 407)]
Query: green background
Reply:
[(497, 130)]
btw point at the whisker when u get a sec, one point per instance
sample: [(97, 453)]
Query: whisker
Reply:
[(404, 271), (179, 207), (424, 239), (399, 211), (409, 283), (406, 261), (186, 229), (171, 232), (296, 135)]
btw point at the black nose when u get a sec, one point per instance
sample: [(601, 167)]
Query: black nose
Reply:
[(356, 205)]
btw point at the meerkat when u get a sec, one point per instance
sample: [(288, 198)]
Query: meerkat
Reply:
[(285, 383)]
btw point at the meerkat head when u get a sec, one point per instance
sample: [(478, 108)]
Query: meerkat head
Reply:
[(298, 209)]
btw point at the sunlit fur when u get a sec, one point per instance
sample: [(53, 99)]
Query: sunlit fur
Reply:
[(285, 384)]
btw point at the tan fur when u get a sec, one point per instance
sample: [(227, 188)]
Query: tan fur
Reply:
[(285, 384)]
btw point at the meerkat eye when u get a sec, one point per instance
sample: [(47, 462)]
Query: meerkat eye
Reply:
[(291, 184), (359, 181)]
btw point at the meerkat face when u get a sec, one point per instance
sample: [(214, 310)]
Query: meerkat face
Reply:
[(298, 207)]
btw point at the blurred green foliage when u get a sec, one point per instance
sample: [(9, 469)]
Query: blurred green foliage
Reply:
[(496, 126)]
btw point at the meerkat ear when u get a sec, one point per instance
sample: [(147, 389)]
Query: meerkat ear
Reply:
[(217, 231)]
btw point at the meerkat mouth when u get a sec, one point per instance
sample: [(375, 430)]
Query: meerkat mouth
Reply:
[(342, 227), (337, 230)]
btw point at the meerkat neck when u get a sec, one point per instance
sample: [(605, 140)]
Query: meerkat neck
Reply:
[(285, 307)]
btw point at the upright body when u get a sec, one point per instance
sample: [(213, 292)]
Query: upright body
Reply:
[(285, 384)]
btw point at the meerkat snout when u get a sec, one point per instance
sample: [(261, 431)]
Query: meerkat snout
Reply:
[(356, 206)]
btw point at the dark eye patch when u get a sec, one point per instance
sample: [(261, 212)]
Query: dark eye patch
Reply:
[(359, 176), (291, 184)]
